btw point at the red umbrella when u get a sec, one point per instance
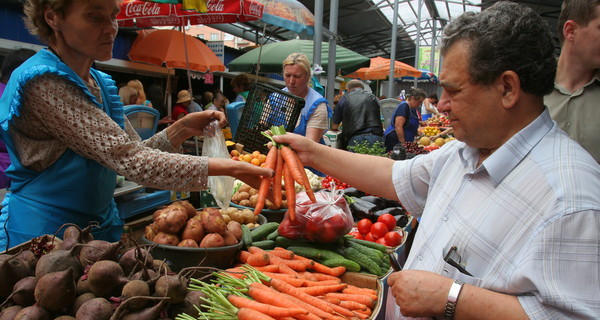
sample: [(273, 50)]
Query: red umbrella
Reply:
[(150, 14)]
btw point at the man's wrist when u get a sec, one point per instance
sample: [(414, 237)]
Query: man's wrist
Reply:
[(453, 294)]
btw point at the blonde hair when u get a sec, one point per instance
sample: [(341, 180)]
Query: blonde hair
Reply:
[(139, 87), (35, 20), (126, 92), (298, 59)]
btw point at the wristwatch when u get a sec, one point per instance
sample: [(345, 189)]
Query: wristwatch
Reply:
[(452, 298)]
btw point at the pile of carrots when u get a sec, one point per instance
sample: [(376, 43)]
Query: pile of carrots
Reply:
[(299, 288), (286, 163)]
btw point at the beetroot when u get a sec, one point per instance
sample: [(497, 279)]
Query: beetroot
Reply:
[(29, 259), (136, 288), (22, 293), (81, 299), (97, 250), (172, 286), (74, 235), (83, 285), (56, 291), (59, 260), (64, 318), (33, 313), (10, 312), (95, 309), (106, 278), (189, 306), (152, 313), (11, 271), (133, 259)]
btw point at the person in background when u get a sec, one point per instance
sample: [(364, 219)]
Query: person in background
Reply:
[(57, 103), (157, 98), (180, 110), (139, 87), (359, 112), (207, 98), (405, 121), (241, 86), (509, 213), (218, 103), (129, 95), (12, 60), (429, 105), (314, 117), (195, 106), (573, 103)]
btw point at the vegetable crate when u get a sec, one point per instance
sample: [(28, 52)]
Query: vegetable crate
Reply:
[(266, 106)]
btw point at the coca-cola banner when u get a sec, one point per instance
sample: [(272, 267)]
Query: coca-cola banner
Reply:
[(147, 14)]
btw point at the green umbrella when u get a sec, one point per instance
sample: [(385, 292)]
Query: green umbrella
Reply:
[(271, 57)]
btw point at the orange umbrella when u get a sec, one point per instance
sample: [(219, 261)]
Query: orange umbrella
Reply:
[(380, 69), (169, 48)]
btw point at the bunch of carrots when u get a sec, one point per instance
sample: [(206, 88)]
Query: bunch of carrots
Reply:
[(286, 163), (278, 284)]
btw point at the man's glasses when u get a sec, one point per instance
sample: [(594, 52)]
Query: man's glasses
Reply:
[(454, 259)]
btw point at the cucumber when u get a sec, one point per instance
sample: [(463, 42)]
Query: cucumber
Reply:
[(369, 252), (284, 242), (261, 232), (329, 255), (348, 264), (307, 252), (264, 244), (365, 263), (373, 245), (246, 236), (273, 235)]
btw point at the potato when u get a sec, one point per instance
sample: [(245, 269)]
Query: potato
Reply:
[(245, 203), (213, 222), (226, 218), (253, 200), (212, 240), (228, 210), (193, 230), (189, 243), (235, 228), (252, 225), (253, 192), (270, 205), (165, 238), (172, 219), (248, 215), (243, 195), (229, 238), (244, 188)]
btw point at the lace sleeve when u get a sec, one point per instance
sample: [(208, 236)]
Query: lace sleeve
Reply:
[(67, 115)]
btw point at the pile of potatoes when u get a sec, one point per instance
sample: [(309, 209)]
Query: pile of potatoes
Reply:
[(179, 224), (243, 216), (82, 278), (247, 196)]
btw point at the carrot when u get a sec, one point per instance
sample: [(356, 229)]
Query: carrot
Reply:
[(322, 277), (299, 303), (361, 315), (283, 253), (243, 256), (285, 269), (268, 268), (284, 287), (253, 249), (311, 283), (368, 301), (265, 294), (259, 259), (250, 314), (296, 282), (265, 183), (358, 290), (331, 299), (274, 311), (322, 290), (236, 273), (296, 265), (290, 192), (351, 305), (336, 271), (277, 195), (297, 170)]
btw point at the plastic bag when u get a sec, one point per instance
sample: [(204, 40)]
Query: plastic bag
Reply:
[(326, 220), (214, 147)]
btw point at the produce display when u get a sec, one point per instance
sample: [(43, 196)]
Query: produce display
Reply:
[(179, 224), (383, 231), (354, 254)]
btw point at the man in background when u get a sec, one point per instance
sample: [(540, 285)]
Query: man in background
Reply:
[(359, 111), (573, 103)]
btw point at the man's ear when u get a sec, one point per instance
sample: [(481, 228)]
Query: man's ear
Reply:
[(569, 30), (510, 86)]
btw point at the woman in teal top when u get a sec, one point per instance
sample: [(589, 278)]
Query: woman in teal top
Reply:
[(67, 137)]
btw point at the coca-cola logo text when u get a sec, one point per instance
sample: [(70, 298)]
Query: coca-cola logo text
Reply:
[(255, 9), (215, 5), (134, 9)]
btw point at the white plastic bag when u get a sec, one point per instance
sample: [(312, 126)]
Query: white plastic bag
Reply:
[(221, 187)]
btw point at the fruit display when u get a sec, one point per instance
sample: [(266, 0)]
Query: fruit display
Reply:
[(179, 224), (256, 157), (383, 231), (430, 131)]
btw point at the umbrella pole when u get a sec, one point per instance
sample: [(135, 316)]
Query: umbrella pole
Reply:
[(260, 52), (187, 62)]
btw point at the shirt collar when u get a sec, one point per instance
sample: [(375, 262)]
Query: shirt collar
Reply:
[(500, 163), (561, 89)]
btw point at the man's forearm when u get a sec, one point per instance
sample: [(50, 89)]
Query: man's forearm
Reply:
[(479, 303)]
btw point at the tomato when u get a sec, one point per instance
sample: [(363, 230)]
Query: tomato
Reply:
[(339, 224), (356, 235), (393, 238), (328, 233), (369, 237), (364, 226), (379, 229), (382, 241), (388, 219)]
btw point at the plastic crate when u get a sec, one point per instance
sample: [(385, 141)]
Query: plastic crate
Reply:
[(132, 204), (266, 106)]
